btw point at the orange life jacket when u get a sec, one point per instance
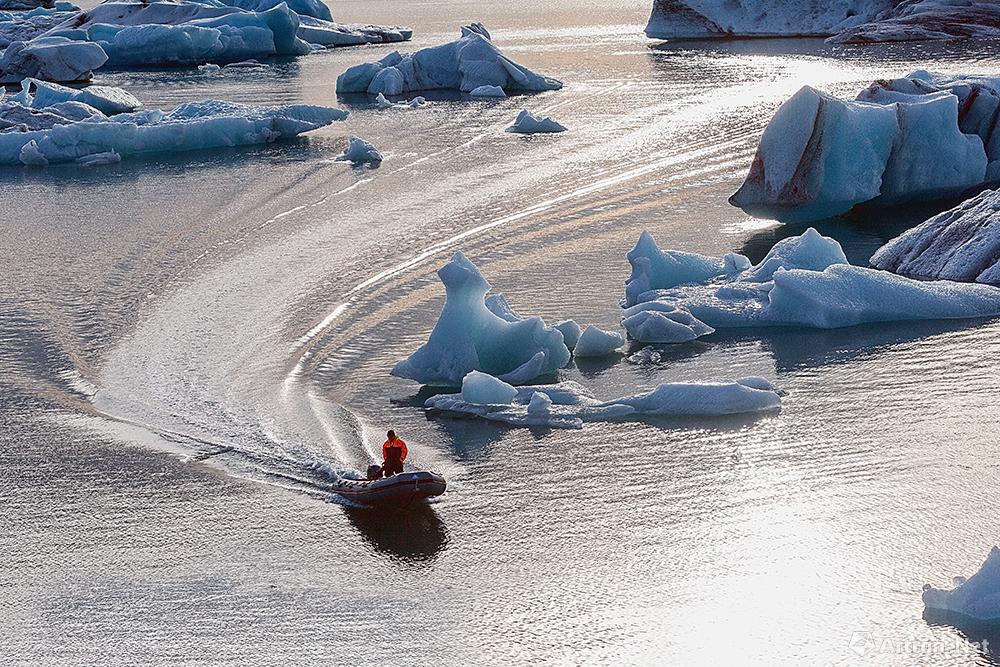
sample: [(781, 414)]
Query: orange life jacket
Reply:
[(395, 450)]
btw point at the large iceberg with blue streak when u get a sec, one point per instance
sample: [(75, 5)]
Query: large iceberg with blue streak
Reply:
[(469, 336), (805, 281), (922, 137), (464, 65)]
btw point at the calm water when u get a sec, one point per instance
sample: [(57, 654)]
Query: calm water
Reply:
[(192, 346)]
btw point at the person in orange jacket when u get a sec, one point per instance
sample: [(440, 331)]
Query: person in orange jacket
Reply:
[(393, 454)]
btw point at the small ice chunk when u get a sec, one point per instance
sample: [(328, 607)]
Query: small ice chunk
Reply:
[(668, 325), (526, 123), (106, 99), (52, 58), (360, 151), (485, 389), (540, 404), (596, 342), (31, 156), (209, 68), (570, 331), (487, 91), (246, 64), (99, 159)]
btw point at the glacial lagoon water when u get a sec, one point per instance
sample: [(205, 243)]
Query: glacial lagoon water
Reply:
[(191, 345)]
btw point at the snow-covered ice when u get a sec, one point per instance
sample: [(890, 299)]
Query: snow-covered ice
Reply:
[(792, 287), (976, 598), (528, 123), (594, 342), (360, 151), (962, 244), (487, 91), (919, 138), (569, 405), (468, 336), (70, 130), (465, 64)]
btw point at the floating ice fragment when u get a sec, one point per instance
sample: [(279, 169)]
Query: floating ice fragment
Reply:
[(360, 151), (526, 123), (595, 342)]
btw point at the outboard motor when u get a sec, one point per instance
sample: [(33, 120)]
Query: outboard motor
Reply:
[(374, 471)]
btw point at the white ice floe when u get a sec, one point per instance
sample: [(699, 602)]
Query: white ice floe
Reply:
[(594, 342), (962, 244), (382, 102), (976, 598), (569, 405), (70, 130), (804, 282), (468, 336), (52, 59), (465, 64), (918, 138), (527, 123), (360, 151), (487, 91)]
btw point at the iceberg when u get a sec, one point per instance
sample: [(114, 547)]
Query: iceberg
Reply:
[(174, 33), (915, 139), (468, 336), (976, 598), (569, 405), (25, 5), (917, 20), (843, 21), (699, 19), (960, 244), (656, 322), (52, 59), (594, 342), (527, 123), (71, 130), (792, 287), (360, 151), (464, 65), (21, 26)]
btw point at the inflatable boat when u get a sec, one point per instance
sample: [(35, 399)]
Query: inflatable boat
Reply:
[(398, 490)]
